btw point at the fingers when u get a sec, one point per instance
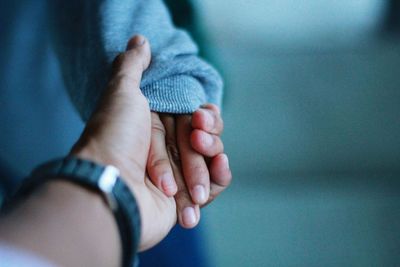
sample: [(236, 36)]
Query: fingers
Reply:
[(194, 167), (158, 163), (221, 175), (208, 145), (188, 212), (208, 119), (208, 126)]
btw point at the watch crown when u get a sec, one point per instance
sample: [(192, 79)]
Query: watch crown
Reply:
[(107, 182)]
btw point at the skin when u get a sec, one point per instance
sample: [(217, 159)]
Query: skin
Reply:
[(186, 160), (121, 136), (62, 221)]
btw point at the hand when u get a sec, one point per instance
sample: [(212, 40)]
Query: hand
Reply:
[(190, 149), (119, 134)]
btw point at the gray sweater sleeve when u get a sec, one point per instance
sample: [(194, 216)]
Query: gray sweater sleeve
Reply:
[(89, 34)]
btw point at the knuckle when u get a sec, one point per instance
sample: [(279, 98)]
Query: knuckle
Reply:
[(199, 172), (158, 127), (124, 80), (156, 162), (118, 60), (121, 82)]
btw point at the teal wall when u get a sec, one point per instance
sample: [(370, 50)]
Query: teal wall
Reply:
[(312, 116)]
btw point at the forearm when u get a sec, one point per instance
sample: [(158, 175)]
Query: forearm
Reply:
[(65, 223)]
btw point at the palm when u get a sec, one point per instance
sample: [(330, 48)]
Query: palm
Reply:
[(160, 215)]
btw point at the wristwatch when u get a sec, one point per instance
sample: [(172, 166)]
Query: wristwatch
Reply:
[(106, 181)]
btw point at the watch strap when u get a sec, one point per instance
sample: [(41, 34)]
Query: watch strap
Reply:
[(88, 174)]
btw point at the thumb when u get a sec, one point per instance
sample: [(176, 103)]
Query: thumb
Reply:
[(133, 62), (128, 68), (120, 127), (122, 100)]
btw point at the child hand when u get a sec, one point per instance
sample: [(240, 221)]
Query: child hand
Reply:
[(189, 149)]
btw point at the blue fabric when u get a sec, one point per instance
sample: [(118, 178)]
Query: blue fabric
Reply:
[(89, 34), (37, 120), (181, 248), (38, 66)]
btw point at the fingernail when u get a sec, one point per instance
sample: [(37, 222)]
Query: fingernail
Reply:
[(136, 41), (168, 183), (225, 160), (188, 216), (199, 194), (207, 139), (139, 40)]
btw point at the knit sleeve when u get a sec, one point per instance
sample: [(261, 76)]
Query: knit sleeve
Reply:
[(88, 35)]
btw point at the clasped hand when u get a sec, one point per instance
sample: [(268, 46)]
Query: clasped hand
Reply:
[(172, 163)]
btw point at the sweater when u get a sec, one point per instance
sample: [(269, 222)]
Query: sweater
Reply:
[(50, 47), (88, 35)]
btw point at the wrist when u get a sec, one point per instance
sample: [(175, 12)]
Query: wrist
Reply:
[(90, 150), (105, 181), (87, 211), (55, 212)]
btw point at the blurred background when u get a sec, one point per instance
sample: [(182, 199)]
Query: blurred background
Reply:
[(312, 116), (312, 128)]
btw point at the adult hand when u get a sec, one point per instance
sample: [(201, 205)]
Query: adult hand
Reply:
[(119, 132)]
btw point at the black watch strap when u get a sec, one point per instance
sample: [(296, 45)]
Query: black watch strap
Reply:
[(105, 180)]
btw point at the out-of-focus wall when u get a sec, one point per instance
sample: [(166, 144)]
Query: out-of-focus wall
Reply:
[(312, 115), (312, 86)]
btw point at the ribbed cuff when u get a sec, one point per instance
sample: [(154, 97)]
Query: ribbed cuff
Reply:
[(180, 94)]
